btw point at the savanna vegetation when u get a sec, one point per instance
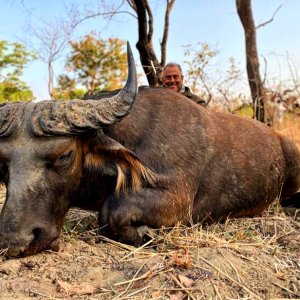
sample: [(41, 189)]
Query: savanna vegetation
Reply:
[(13, 59)]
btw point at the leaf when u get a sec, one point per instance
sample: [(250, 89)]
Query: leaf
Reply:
[(155, 294), (13, 59), (96, 63), (76, 289), (187, 282), (177, 296)]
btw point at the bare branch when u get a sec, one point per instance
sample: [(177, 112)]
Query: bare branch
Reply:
[(109, 13), (270, 20), (132, 5), (54, 36), (294, 76), (163, 44), (150, 22), (265, 72)]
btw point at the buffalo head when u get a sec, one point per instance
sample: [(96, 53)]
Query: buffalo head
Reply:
[(45, 148)]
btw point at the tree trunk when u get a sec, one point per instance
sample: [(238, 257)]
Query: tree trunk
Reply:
[(144, 45), (50, 79), (152, 67), (256, 85)]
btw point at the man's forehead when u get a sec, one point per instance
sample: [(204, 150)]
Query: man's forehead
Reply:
[(172, 69)]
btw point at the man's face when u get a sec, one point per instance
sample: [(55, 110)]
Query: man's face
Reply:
[(172, 78)]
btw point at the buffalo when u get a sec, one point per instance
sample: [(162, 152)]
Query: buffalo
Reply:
[(145, 157)]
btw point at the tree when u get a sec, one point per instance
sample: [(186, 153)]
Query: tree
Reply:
[(97, 63), (152, 67), (13, 58), (66, 89), (197, 63), (52, 36), (216, 86), (49, 39), (256, 85)]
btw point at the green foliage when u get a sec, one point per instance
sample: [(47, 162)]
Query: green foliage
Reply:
[(245, 111), (15, 91), (97, 63), (13, 58), (66, 89)]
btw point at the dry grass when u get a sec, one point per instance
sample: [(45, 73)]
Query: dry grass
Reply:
[(290, 127), (250, 258)]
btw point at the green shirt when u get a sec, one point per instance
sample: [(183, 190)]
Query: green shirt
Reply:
[(187, 93)]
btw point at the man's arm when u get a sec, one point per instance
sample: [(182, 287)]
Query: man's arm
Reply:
[(198, 100), (195, 98)]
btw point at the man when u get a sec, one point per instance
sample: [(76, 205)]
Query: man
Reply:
[(173, 79)]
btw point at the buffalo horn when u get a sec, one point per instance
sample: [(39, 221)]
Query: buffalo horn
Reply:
[(9, 116), (78, 116)]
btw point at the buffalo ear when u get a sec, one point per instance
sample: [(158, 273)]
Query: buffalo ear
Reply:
[(110, 157)]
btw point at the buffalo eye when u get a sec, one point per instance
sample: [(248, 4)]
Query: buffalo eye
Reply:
[(62, 161), (65, 157)]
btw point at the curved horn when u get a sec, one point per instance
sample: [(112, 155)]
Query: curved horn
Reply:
[(9, 116), (77, 116)]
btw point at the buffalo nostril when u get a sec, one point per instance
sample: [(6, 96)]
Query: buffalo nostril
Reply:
[(37, 232)]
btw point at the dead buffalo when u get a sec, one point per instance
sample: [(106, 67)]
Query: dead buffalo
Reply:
[(152, 161)]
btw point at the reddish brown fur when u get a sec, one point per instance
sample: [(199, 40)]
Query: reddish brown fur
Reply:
[(213, 164)]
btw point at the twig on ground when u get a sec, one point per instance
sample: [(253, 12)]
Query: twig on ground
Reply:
[(136, 250), (284, 288), (229, 277), (232, 266), (216, 290)]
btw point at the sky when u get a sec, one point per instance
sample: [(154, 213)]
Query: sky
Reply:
[(191, 21)]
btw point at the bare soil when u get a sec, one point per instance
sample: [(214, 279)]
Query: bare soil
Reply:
[(249, 258)]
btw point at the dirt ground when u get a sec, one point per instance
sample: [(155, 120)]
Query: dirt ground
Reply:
[(249, 258)]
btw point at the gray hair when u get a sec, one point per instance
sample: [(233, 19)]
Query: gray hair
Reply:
[(173, 64)]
